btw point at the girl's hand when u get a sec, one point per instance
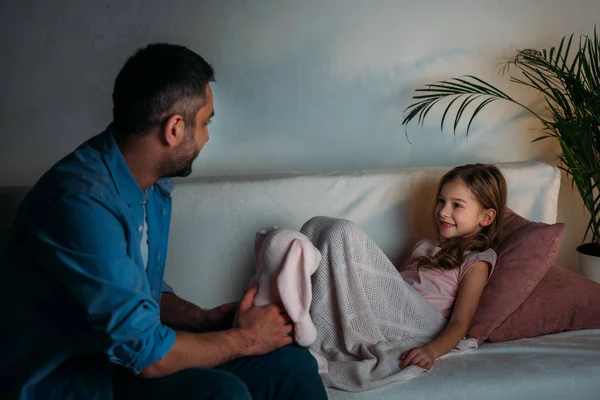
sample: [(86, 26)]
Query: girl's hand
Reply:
[(422, 356)]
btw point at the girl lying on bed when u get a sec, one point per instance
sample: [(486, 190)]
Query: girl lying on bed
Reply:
[(452, 270), (377, 326)]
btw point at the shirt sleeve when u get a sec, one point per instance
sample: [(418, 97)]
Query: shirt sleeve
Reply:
[(85, 247), (167, 288), (488, 255), (424, 247)]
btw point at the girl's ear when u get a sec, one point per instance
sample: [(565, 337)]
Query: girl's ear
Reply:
[(487, 217)]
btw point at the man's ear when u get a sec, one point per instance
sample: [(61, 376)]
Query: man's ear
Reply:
[(173, 131), (487, 217)]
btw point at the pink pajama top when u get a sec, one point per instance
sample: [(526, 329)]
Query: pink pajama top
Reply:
[(439, 286)]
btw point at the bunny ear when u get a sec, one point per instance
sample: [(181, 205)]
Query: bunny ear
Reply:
[(261, 234), (259, 239), (294, 282)]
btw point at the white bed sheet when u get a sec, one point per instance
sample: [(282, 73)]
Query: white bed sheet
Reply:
[(563, 366)]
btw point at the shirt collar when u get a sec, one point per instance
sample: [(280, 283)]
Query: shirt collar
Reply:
[(165, 185), (122, 177)]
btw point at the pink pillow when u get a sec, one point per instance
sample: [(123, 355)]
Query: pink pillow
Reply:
[(562, 301), (526, 251)]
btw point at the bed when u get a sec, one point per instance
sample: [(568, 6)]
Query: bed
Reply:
[(210, 262), (559, 366)]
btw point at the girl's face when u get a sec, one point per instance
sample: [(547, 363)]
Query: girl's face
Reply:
[(458, 213)]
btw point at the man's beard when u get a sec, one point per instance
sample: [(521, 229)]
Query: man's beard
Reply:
[(181, 170), (181, 164)]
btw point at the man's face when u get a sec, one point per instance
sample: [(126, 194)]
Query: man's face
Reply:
[(195, 139)]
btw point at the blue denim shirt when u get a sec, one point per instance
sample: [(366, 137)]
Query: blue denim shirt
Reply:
[(76, 298)]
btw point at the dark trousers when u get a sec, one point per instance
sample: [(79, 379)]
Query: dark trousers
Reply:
[(286, 373)]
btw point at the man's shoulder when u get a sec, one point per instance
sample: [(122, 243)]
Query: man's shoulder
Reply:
[(83, 172)]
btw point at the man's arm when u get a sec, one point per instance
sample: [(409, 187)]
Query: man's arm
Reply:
[(257, 330), (83, 244), (178, 313), (85, 247)]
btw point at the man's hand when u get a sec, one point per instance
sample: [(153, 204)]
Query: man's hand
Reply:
[(256, 330), (423, 356), (266, 328)]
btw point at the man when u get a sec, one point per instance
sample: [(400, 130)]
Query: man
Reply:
[(84, 313)]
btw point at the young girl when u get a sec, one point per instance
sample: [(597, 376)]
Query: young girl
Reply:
[(377, 326), (452, 270)]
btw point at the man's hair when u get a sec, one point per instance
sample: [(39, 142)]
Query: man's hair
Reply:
[(156, 82)]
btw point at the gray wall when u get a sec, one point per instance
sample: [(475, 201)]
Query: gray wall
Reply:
[(302, 85)]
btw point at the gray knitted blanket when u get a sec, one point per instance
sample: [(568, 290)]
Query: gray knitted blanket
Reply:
[(365, 313)]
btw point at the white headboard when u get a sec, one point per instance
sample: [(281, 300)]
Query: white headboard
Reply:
[(210, 258)]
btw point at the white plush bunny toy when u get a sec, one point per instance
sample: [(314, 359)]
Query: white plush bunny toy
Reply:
[(285, 261)]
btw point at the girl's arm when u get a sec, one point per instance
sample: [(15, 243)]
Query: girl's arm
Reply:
[(469, 293)]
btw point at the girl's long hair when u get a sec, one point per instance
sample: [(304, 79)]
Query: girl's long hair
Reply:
[(487, 184)]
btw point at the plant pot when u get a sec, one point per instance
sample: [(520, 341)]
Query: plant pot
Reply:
[(588, 261)]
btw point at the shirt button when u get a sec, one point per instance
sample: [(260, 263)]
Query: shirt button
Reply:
[(158, 257), (140, 228), (164, 211)]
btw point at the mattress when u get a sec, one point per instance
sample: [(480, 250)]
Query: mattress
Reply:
[(559, 366)]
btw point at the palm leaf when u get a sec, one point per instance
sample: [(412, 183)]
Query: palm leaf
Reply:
[(568, 79)]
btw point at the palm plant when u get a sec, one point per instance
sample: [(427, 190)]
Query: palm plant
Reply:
[(568, 79)]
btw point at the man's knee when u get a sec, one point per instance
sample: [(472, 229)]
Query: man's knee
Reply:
[(289, 372), (211, 383), (297, 372), (293, 357), (230, 387), (294, 366), (188, 384)]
